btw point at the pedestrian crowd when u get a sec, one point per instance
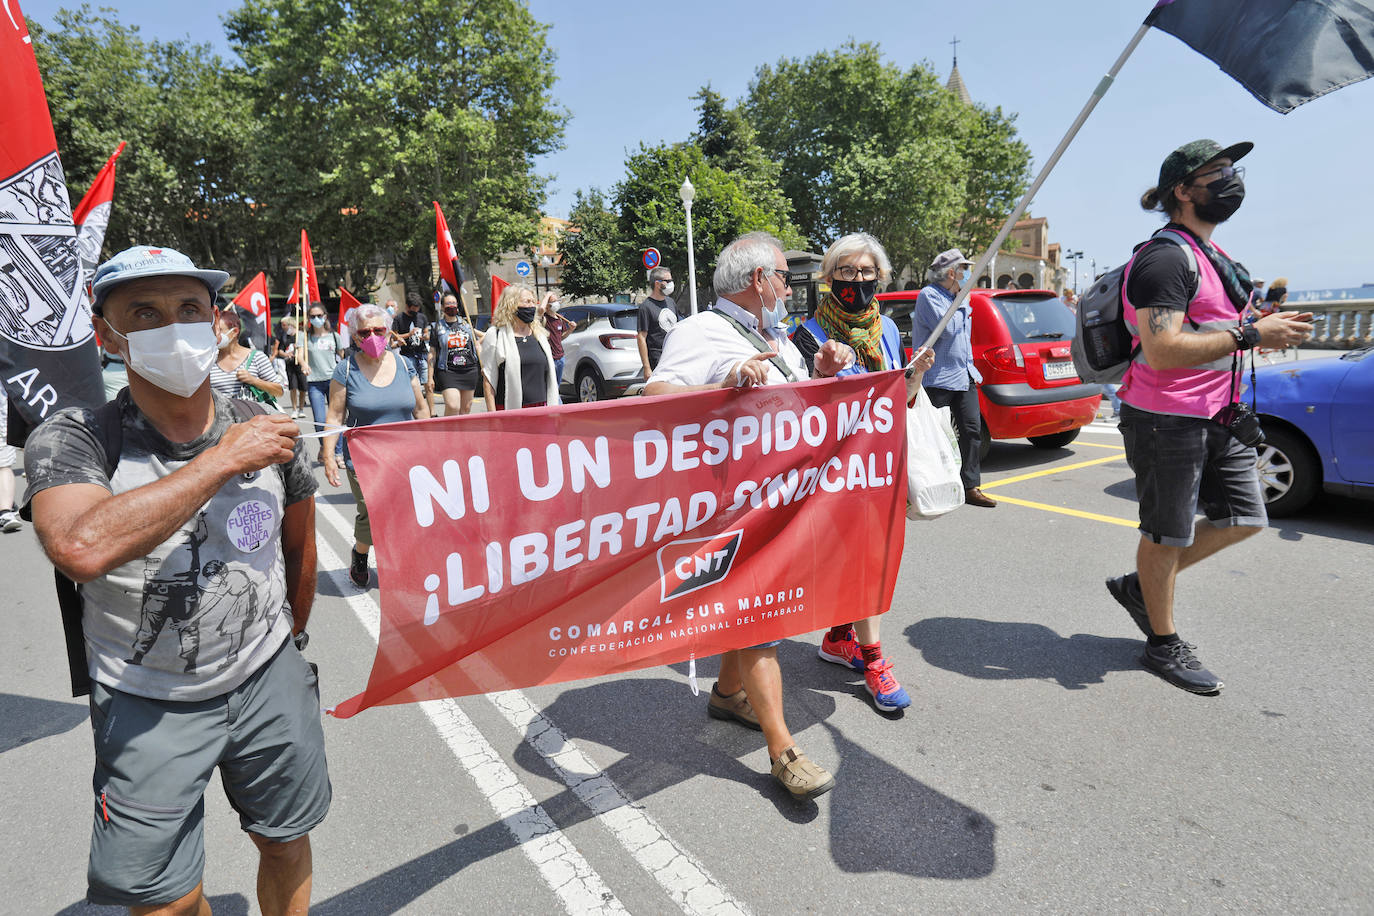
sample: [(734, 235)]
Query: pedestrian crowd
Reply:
[(192, 617)]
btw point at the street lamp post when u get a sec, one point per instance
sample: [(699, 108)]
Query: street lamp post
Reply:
[(687, 193), (545, 262), (1074, 256)]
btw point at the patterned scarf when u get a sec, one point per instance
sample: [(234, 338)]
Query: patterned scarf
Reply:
[(861, 330)]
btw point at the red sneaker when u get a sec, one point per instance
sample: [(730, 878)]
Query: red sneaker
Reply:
[(844, 652), (887, 694)]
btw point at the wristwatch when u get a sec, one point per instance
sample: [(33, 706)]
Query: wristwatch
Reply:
[(1246, 337), (301, 639)]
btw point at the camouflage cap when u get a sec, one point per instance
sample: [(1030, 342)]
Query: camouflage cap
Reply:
[(1190, 157)]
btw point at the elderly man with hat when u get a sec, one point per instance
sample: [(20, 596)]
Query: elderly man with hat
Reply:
[(953, 381), (1188, 440), (146, 502)]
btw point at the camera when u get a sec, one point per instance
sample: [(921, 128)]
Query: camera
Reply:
[(1243, 423)]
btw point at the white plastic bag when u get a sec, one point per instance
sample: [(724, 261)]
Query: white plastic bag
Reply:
[(932, 461)]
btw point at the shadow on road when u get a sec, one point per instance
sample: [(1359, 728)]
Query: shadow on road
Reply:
[(996, 650), (31, 719), (667, 738)]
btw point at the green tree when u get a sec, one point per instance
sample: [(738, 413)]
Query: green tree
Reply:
[(652, 215), (368, 110), (595, 262), (864, 145), (182, 180)]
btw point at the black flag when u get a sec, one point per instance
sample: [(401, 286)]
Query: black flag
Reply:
[(1286, 52)]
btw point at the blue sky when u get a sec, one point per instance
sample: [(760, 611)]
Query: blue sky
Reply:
[(627, 71)]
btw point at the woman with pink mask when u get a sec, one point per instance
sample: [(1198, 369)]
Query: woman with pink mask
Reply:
[(373, 385)]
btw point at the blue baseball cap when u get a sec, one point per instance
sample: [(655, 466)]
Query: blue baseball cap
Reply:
[(140, 262)]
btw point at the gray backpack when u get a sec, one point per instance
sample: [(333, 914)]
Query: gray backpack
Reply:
[(1101, 348)]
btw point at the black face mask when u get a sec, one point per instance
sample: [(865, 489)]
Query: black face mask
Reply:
[(854, 295), (1227, 196), (451, 311), (525, 313)]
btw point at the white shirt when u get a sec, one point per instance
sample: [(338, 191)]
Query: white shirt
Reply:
[(702, 349)]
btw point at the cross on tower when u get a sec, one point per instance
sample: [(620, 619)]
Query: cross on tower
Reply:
[(955, 44)]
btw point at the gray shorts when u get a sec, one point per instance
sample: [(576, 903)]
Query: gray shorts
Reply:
[(1182, 464), (154, 758)]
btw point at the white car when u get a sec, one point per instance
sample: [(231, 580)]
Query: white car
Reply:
[(600, 354)]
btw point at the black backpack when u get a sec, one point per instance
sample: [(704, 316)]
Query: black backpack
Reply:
[(1101, 348), (110, 431)]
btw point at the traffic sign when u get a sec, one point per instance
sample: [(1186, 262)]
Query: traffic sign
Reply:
[(523, 268), (651, 258)]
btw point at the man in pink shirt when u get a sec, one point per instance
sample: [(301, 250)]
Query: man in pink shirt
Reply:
[(1179, 397)]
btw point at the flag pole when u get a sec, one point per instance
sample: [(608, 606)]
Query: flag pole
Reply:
[(302, 354), (1103, 85)]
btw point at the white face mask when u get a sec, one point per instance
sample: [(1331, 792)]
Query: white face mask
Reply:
[(773, 317), (225, 340), (668, 288), (175, 357)]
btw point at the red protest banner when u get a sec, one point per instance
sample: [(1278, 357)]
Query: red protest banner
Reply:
[(551, 544)]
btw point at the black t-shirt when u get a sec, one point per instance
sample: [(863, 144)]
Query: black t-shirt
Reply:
[(534, 373), (403, 324), (656, 318), (1160, 278)]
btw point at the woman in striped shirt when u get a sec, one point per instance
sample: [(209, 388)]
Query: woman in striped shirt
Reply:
[(239, 368)]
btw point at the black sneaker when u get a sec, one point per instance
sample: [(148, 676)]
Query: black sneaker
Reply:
[(1126, 590), (357, 569), (1176, 663)]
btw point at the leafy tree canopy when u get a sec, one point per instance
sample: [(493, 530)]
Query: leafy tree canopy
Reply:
[(866, 146), (595, 262)]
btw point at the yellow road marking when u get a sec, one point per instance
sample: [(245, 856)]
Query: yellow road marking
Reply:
[(1076, 513), (1119, 448), (1055, 470)]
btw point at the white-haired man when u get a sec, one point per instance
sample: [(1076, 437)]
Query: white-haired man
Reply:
[(146, 501), (714, 350)]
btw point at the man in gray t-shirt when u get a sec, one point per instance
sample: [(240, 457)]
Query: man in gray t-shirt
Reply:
[(190, 524)]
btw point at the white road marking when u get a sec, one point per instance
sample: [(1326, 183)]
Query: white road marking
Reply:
[(559, 863), (682, 877)]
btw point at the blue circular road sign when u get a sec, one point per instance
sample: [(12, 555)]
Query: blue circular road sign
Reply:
[(523, 268)]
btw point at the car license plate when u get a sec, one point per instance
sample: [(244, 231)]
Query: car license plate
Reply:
[(1059, 370)]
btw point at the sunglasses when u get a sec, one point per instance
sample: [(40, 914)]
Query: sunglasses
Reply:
[(370, 332)]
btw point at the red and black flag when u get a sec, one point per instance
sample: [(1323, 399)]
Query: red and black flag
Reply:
[(48, 354), (1286, 52), (449, 270), (92, 217)]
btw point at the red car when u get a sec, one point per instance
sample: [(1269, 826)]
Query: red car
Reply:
[(1021, 347)]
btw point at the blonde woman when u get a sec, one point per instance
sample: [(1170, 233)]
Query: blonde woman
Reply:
[(517, 364)]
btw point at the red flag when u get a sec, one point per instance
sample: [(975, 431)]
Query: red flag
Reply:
[(347, 303), (253, 299), (48, 355), (498, 286), (549, 544), (448, 254), (92, 216), (295, 291), (308, 262)]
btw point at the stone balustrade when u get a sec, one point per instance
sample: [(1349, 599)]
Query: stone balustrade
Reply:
[(1348, 324)]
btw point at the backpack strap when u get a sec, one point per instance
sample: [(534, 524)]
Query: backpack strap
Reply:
[(1187, 247), (758, 343)]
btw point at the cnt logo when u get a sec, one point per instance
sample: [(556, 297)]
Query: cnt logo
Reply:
[(685, 566)]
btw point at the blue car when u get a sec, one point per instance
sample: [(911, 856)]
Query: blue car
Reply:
[(1318, 419)]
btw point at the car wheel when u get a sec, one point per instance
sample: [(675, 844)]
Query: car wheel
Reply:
[(589, 387), (1055, 440), (1289, 472)]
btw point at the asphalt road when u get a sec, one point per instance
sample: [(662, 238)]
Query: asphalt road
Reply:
[(1040, 769)]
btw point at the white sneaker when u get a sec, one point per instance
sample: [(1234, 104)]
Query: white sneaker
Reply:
[(9, 521)]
